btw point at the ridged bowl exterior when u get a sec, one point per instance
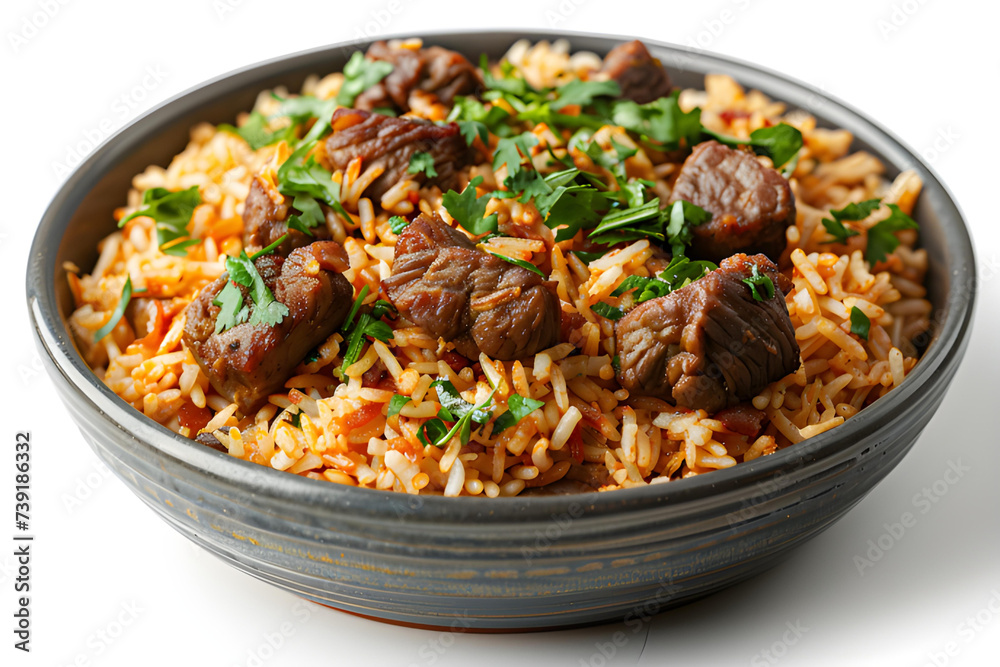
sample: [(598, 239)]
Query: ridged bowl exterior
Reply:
[(502, 564)]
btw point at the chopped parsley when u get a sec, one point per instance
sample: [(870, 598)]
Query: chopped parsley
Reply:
[(475, 120), (360, 74), (671, 225), (118, 313), (660, 120), (233, 310), (468, 210), (455, 409), (779, 142), (607, 311), (583, 93), (860, 324), (397, 403), (304, 108), (369, 325), (882, 238), (397, 224), (852, 212), (172, 212), (761, 286), (422, 162), (679, 273), (518, 407), (254, 131), (519, 262), (308, 184), (509, 151)]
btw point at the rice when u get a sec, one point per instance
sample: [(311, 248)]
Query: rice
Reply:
[(587, 426)]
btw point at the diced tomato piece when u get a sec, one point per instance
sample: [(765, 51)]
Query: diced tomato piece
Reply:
[(455, 360), (405, 447), (359, 417), (194, 418)]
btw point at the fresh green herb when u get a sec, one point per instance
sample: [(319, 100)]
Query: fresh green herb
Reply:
[(853, 212), (507, 82), (304, 108), (397, 224), (679, 273), (582, 93), (360, 74), (519, 262), (630, 224), (312, 357), (607, 311), (233, 310), (779, 142), (468, 210), (269, 249), (397, 403), (369, 325), (760, 285), (882, 238), (254, 131), (683, 216), (118, 313), (509, 151), (860, 324), (661, 120), (588, 257), (475, 120), (616, 363), (296, 420), (569, 207), (172, 212), (308, 183), (518, 407), (453, 408), (422, 162)]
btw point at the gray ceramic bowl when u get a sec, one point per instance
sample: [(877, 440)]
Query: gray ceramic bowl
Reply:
[(507, 563)]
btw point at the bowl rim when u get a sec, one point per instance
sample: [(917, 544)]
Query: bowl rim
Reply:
[(839, 444)]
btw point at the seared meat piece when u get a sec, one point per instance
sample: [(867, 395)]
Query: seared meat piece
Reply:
[(751, 205), (709, 345), (640, 76), (390, 143), (434, 70), (246, 363), (210, 440), (265, 221), (481, 303)]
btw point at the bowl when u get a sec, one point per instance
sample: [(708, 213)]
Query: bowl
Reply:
[(502, 564)]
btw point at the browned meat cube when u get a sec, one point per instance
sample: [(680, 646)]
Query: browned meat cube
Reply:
[(390, 143), (751, 205), (247, 363), (265, 221), (481, 303), (434, 70), (640, 76), (710, 344)]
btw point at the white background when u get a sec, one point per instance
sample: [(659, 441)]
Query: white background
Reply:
[(926, 70)]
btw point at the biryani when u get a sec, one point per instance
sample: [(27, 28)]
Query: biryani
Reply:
[(435, 274)]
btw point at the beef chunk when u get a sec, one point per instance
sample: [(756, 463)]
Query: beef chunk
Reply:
[(751, 205), (390, 143), (210, 440), (640, 76), (709, 345), (246, 363), (481, 303), (433, 70), (265, 221)]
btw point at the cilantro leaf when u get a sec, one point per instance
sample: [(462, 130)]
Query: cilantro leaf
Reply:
[(582, 93), (854, 212), (683, 216), (304, 179), (661, 120), (254, 131), (119, 311), (422, 162), (510, 150), (507, 82), (519, 262), (360, 74), (397, 224), (518, 407), (607, 311), (231, 308), (529, 183), (397, 403), (682, 271), (171, 211), (882, 238), (779, 142), (760, 284), (456, 407), (267, 310), (468, 210), (369, 324), (475, 120), (588, 257), (860, 324)]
